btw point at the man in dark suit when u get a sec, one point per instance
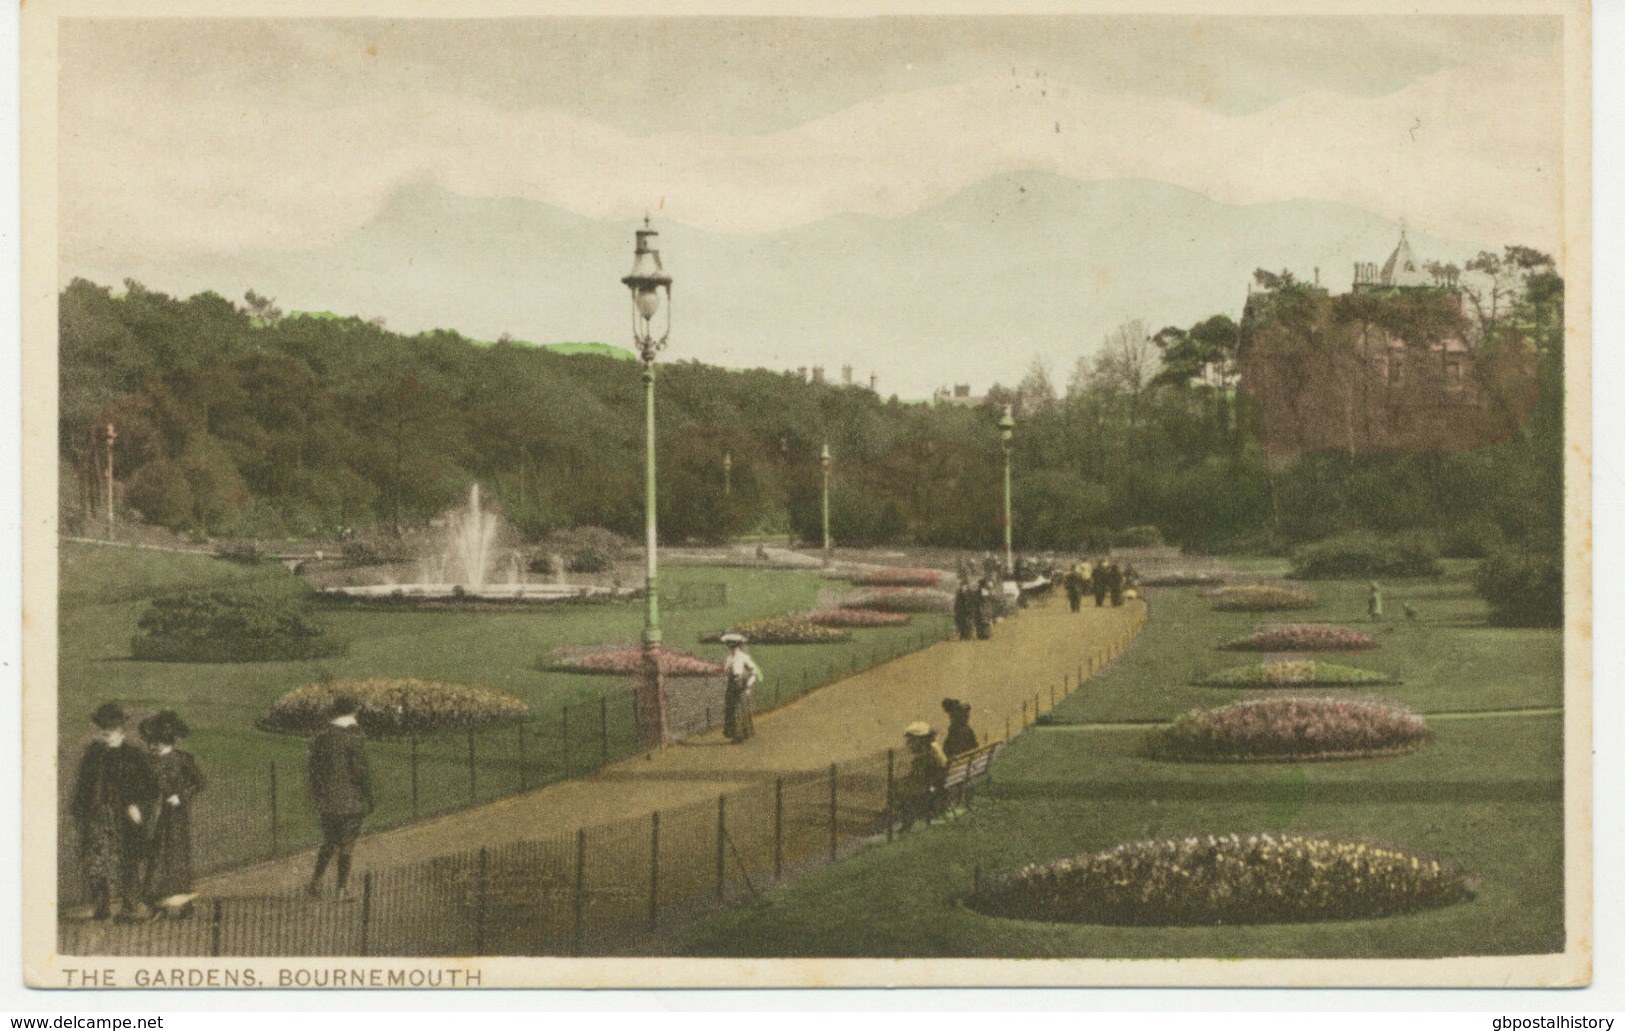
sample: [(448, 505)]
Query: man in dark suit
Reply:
[(340, 789)]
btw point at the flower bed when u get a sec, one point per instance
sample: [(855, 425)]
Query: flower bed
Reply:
[(901, 577), (1227, 879), (784, 630), (627, 661), (1292, 730), (1303, 637), (1293, 673), (857, 618), (901, 599), (394, 706), (1261, 598)]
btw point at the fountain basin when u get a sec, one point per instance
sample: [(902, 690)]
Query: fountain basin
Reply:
[(462, 594)]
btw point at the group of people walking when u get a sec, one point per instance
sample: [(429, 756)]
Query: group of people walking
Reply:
[(1104, 579), (132, 807), (976, 606)]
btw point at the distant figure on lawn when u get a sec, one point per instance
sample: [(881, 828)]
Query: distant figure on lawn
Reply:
[(1073, 582), (1114, 584), (1373, 602), (743, 673), (918, 794), (178, 780), (340, 789), (965, 610), (112, 801), (960, 737), (987, 607), (1101, 580)]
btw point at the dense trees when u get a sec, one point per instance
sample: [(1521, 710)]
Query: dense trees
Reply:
[(243, 421)]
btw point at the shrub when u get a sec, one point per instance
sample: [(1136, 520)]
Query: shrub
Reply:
[(1303, 637), (857, 618), (220, 626), (785, 630), (1478, 537), (902, 577), (241, 553), (1293, 729), (1523, 586), (394, 706), (584, 549), (1365, 555), (1227, 879), (1291, 673), (628, 661), (1138, 537), (377, 547), (901, 599), (1261, 598)]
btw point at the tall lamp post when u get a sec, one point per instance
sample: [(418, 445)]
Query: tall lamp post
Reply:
[(1007, 430), (647, 281), (823, 464)]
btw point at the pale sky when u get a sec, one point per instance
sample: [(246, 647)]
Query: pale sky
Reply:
[(185, 139)]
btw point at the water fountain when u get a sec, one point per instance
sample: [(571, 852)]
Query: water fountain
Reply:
[(474, 558)]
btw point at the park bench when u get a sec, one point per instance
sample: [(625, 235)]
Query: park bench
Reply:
[(965, 772)]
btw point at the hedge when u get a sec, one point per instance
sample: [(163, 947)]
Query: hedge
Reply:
[(1523, 586), (1367, 555), (222, 626), (391, 707)]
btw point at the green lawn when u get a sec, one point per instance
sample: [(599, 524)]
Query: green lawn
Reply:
[(1487, 793), (105, 590)]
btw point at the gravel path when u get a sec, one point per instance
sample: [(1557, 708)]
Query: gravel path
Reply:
[(860, 716)]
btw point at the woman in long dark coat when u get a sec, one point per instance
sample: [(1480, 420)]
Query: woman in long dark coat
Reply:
[(112, 804), (178, 780), (960, 737)]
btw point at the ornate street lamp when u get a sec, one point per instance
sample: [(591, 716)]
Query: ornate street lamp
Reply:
[(1007, 430), (647, 281), (823, 464)]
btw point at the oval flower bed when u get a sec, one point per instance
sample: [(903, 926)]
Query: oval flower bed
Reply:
[(1226, 879), (901, 576), (1261, 598), (901, 599), (784, 630), (394, 706), (857, 618), (627, 661), (1293, 673), (1302, 637), (1292, 730)]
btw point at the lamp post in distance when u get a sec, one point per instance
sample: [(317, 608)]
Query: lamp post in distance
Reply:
[(1007, 431)]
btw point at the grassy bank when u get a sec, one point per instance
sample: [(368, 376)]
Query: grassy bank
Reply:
[(1486, 793)]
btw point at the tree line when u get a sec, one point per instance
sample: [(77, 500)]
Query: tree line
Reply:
[(235, 420)]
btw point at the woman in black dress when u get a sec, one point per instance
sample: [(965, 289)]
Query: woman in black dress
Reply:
[(177, 780), (112, 798)]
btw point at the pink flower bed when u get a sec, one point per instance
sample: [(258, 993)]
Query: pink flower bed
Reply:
[(857, 618), (1303, 637), (629, 661), (1291, 729), (901, 599), (901, 576)]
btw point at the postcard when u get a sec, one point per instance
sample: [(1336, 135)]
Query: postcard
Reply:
[(849, 494)]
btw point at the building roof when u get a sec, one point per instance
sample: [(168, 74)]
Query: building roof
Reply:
[(1402, 268)]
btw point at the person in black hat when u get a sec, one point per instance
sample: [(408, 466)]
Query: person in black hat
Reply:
[(113, 798), (178, 780), (340, 789), (960, 737)]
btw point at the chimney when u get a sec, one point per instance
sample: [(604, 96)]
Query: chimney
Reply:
[(1317, 275), (874, 382), (846, 374), (801, 374), (962, 390), (818, 375)]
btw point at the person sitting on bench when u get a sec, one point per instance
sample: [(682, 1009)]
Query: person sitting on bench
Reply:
[(919, 793)]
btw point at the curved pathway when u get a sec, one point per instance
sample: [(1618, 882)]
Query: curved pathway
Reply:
[(1043, 649)]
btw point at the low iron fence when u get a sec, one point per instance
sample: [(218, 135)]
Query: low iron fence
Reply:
[(264, 813), (612, 889)]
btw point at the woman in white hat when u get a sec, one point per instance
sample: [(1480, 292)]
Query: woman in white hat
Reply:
[(743, 674), (919, 793)]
